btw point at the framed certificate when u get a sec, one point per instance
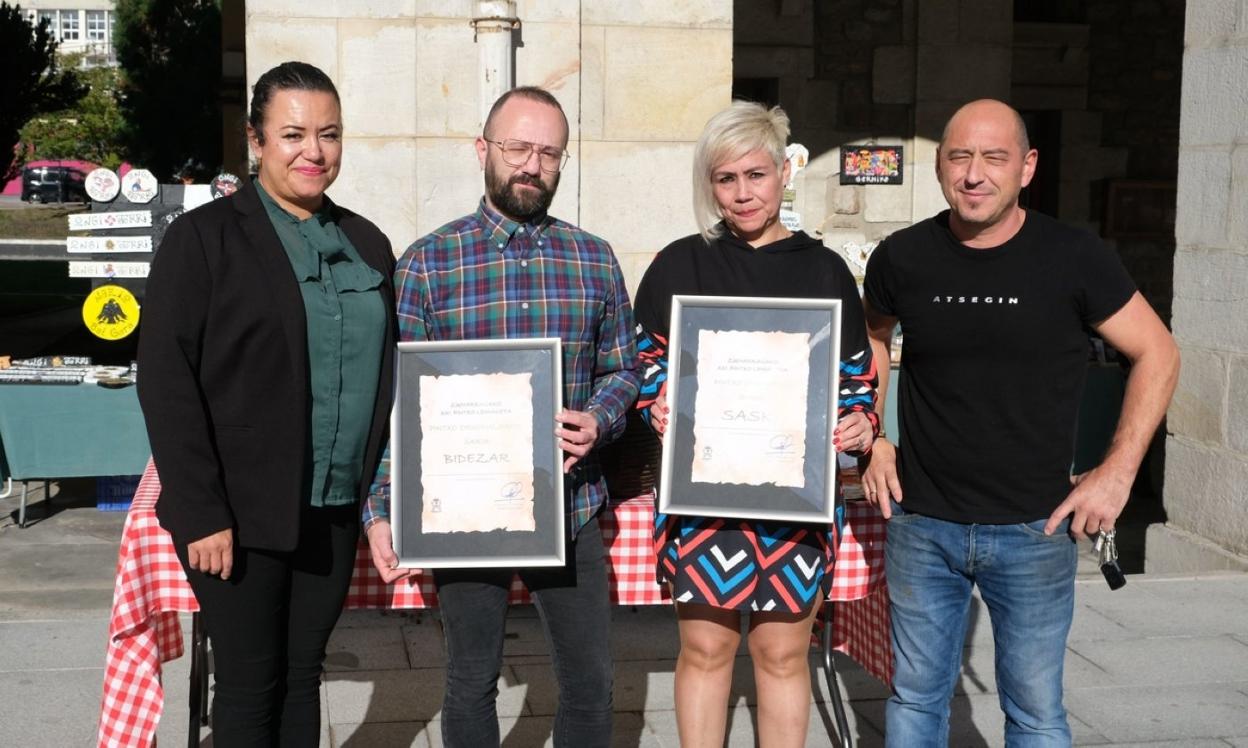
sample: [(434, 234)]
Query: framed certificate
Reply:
[(475, 468), (752, 386)]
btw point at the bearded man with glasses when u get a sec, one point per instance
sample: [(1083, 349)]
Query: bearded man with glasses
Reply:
[(509, 270)]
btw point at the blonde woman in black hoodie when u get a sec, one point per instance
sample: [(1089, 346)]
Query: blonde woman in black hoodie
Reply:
[(719, 568)]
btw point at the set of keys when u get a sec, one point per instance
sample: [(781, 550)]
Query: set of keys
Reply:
[(1107, 553)]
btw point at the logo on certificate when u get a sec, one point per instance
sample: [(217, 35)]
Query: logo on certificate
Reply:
[(110, 312), (781, 443)]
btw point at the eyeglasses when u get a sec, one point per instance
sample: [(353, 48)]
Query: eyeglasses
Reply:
[(518, 152)]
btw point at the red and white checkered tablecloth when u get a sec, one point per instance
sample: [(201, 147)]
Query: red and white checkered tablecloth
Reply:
[(151, 591)]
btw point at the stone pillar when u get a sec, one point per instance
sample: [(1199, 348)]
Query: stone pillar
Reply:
[(1206, 488)]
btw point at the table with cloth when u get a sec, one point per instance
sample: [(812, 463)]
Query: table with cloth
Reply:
[(151, 591), (69, 431)]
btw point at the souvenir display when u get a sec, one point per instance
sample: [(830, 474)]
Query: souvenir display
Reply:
[(111, 312), (139, 186), (121, 219), (107, 244), (225, 184), (102, 185)]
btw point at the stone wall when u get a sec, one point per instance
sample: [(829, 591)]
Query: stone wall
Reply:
[(1207, 450), (638, 80)]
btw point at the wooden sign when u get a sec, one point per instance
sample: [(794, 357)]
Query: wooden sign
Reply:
[(107, 244), (105, 269), (122, 219)]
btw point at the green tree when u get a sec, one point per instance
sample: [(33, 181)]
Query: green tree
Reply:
[(31, 80), (90, 130), (170, 56)]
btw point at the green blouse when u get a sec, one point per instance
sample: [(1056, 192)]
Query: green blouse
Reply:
[(346, 322)]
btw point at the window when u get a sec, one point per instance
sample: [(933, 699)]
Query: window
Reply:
[(50, 17), (97, 25), (69, 25)]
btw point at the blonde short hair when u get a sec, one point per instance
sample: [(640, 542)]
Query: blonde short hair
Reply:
[(742, 127)]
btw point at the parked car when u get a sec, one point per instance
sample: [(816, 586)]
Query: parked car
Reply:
[(53, 184)]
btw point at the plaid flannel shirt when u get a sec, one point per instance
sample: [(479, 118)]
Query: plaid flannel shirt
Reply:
[(485, 276)]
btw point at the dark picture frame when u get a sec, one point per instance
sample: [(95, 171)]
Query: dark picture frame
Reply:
[(680, 490), (545, 544), (872, 164)]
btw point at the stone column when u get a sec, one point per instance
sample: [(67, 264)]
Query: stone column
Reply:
[(1206, 488)]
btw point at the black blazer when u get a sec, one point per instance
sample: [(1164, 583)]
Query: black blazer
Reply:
[(224, 378)]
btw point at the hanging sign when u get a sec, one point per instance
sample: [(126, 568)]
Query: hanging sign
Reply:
[(110, 312), (139, 186), (106, 269), (102, 185), (107, 244), (123, 219), (225, 184), (871, 164)]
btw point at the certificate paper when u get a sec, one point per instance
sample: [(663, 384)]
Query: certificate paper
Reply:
[(476, 452), (750, 408)]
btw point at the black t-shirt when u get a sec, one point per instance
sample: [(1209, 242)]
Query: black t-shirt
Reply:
[(796, 267), (993, 361)]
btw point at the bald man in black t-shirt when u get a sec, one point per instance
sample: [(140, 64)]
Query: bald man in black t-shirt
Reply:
[(995, 303)]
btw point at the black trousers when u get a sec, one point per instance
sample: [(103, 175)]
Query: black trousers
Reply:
[(268, 626), (575, 608)]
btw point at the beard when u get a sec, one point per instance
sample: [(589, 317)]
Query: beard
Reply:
[(519, 206)]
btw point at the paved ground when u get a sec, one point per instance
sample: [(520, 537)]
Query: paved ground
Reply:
[(1163, 662)]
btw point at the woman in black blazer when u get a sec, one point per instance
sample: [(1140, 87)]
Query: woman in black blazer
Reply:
[(266, 355)]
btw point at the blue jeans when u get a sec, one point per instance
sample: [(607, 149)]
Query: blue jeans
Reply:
[(1026, 580), (575, 610)]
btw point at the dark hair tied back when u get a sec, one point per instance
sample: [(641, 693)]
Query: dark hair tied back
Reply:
[(299, 76)]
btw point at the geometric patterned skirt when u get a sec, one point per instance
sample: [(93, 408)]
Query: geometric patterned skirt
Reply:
[(744, 564)]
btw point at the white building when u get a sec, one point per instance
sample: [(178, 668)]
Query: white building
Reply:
[(81, 26)]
